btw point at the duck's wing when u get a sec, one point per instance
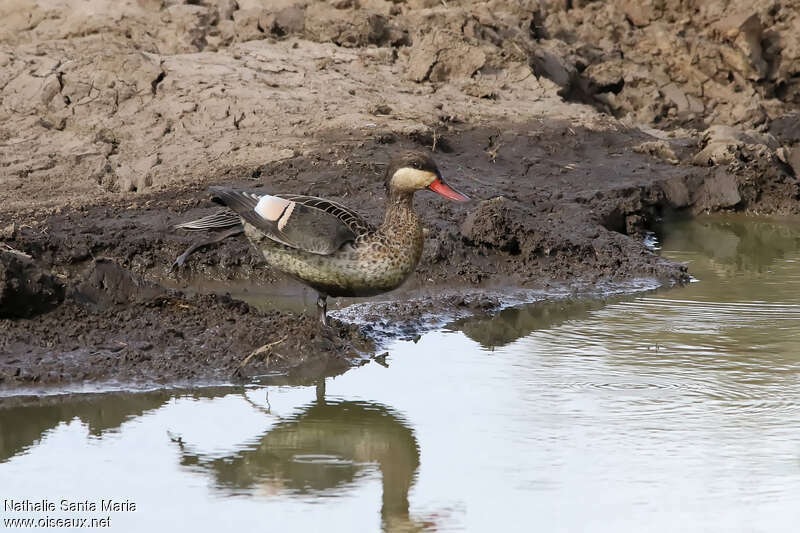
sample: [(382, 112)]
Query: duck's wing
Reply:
[(222, 219), (306, 223), (347, 216)]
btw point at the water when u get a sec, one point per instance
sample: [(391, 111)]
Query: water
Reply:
[(675, 410)]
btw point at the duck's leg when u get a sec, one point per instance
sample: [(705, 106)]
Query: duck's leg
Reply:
[(322, 309)]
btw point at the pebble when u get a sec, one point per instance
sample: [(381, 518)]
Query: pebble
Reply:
[(9, 232)]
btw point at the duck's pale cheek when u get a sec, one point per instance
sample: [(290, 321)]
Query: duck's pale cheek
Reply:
[(410, 179)]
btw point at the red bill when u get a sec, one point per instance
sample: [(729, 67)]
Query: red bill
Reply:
[(440, 187)]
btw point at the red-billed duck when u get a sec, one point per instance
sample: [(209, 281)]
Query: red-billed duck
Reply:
[(328, 246)]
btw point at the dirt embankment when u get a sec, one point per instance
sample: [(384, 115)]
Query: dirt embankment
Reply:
[(574, 125)]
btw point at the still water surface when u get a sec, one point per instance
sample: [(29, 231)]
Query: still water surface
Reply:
[(675, 410)]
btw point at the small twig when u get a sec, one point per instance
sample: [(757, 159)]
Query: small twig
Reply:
[(7, 248), (259, 351)]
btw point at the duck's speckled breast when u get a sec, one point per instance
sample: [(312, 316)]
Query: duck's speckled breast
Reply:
[(375, 263)]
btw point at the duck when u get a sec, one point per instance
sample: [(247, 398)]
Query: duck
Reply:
[(326, 245)]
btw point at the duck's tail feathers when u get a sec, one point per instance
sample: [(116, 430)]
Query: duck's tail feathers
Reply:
[(223, 219)]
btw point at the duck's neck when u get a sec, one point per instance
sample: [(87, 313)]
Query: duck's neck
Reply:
[(400, 214)]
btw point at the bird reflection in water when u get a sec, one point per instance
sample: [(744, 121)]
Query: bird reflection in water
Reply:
[(320, 450)]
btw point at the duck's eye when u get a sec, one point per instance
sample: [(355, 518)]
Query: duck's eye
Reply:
[(415, 165)]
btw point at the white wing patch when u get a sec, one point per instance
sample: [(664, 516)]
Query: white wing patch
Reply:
[(286, 214), (271, 208)]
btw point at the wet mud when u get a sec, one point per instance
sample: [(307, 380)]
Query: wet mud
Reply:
[(571, 146)]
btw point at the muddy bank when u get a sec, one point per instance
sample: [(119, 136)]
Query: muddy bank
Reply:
[(575, 126), (114, 328)]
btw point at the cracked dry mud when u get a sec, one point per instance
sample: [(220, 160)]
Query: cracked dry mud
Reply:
[(574, 125)]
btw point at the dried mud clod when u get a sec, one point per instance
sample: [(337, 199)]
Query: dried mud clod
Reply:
[(672, 63), (441, 56)]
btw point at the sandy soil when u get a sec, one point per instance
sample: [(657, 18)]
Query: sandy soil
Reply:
[(574, 125)]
